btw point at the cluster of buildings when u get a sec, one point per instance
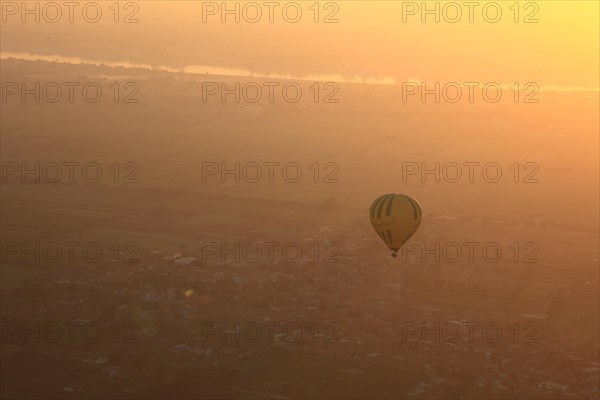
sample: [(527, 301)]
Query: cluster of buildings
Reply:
[(165, 319)]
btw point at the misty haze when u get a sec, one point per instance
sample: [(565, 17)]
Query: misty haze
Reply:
[(297, 200)]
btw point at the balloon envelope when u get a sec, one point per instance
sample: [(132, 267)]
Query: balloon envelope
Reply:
[(395, 218)]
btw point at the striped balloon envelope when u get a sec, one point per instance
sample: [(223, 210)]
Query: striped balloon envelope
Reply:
[(395, 218)]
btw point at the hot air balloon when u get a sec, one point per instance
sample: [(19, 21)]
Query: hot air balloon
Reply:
[(395, 218)]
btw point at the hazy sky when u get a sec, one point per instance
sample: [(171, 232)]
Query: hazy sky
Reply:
[(386, 38)]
